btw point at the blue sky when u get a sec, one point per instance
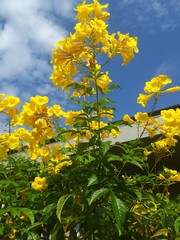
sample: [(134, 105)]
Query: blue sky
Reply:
[(29, 29)]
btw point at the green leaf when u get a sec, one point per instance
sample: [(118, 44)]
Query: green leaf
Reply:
[(2, 211), (33, 236), (57, 232), (60, 205), (177, 225), (115, 86), (28, 213), (106, 146), (114, 158), (1, 230), (15, 212), (119, 210), (92, 180), (138, 193), (161, 232), (48, 211), (97, 194), (34, 226)]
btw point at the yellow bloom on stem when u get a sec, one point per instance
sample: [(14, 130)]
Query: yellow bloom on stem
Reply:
[(175, 178), (168, 115), (13, 142), (39, 183), (39, 100), (157, 84), (170, 171), (172, 89), (23, 134), (103, 81), (141, 116), (127, 47), (12, 234), (71, 116), (88, 11), (147, 153), (161, 145), (143, 98), (11, 101), (128, 119), (161, 177), (151, 131)]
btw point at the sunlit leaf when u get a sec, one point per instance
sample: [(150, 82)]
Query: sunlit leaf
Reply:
[(119, 210), (161, 232), (60, 205), (177, 225), (97, 194), (28, 213)]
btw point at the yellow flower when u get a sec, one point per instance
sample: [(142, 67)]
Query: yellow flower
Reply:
[(172, 89), (56, 110), (128, 119), (156, 84), (103, 81), (11, 101), (127, 47), (3, 151), (12, 234), (147, 153), (13, 142), (160, 145), (88, 11), (71, 117), (39, 100), (115, 133), (39, 183), (143, 98), (44, 152), (141, 117), (108, 113), (170, 171), (175, 178), (161, 177)]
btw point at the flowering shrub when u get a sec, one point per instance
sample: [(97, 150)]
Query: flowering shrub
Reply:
[(59, 176)]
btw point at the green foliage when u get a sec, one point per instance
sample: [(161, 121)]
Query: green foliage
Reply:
[(110, 191)]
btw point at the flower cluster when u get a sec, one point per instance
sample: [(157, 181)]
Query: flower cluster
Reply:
[(169, 175), (167, 123), (155, 88), (81, 49)]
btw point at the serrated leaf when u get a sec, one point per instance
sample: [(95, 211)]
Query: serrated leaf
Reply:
[(114, 158), (60, 205), (15, 212), (119, 210), (138, 193), (33, 226), (28, 213), (32, 236), (92, 180), (48, 210), (97, 194), (177, 225), (161, 232), (106, 146)]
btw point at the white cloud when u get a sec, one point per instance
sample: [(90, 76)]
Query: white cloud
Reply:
[(28, 31), (150, 14)]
